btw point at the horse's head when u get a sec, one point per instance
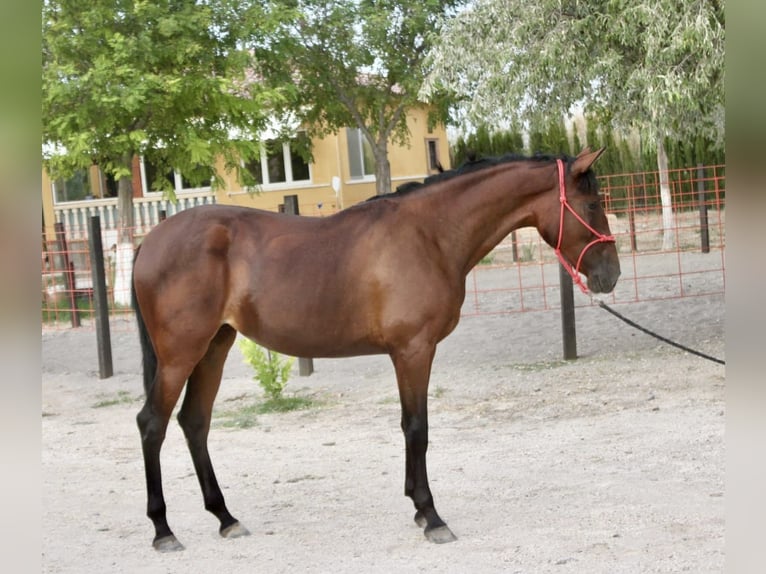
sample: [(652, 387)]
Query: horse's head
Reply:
[(576, 226)]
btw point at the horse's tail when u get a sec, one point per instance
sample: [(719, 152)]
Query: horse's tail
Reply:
[(149, 357)]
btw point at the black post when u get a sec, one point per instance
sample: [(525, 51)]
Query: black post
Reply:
[(704, 230), (568, 332), (291, 205), (305, 365), (103, 338)]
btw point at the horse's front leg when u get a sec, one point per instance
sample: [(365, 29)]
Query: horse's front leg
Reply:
[(413, 369)]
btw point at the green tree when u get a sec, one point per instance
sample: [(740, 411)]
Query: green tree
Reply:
[(627, 159), (558, 142), (482, 141), (358, 64), (576, 145), (166, 79), (652, 65), (536, 139), (458, 151)]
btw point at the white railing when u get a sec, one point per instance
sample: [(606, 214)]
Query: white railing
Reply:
[(146, 212)]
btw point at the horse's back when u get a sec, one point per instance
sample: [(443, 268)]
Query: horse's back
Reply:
[(279, 279), (344, 285), (181, 243)]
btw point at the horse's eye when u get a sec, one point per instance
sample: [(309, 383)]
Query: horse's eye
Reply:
[(593, 205)]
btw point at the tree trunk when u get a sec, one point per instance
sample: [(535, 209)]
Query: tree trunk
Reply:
[(668, 220), (126, 221), (125, 229), (382, 168)]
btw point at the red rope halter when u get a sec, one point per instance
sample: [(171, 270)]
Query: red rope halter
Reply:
[(600, 237)]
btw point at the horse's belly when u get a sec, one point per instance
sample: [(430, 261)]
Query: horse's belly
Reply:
[(311, 338)]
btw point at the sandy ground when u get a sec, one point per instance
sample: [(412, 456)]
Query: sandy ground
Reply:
[(613, 463)]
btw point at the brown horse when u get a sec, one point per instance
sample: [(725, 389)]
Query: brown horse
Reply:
[(384, 276)]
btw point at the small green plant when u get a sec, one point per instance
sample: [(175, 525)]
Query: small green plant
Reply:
[(272, 370), (241, 418), (61, 311), (527, 253), (123, 397)]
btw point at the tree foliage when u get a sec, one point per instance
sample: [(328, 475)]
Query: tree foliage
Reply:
[(655, 65), (651, 65), (166, 79), (356, 63)]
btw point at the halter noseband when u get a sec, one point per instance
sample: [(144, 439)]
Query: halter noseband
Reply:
[(600, 237)]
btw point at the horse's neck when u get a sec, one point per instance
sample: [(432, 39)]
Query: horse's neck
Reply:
[(476, 216)]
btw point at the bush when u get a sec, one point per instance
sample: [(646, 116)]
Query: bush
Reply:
[(272, 370)]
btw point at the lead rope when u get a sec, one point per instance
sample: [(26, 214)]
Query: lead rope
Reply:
[(607, 308)]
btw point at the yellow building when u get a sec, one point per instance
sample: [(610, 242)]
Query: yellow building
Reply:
[(341, 174)]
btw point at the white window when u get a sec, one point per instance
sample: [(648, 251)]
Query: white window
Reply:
[(361, 160), (153, 181), (81, 186), (279, 163), (74, 188)]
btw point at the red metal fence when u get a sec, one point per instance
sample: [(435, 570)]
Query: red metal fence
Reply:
[(521, 274), (67, 285)]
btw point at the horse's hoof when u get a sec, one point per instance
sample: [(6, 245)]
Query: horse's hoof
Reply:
[(167, 544), (440, 535), (235, 531)]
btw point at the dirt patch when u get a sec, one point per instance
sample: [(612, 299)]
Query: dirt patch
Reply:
[(611, 463)]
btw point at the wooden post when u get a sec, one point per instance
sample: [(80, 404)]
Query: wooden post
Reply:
[(59, 251), (103, 338), (305, 365), (514, 247), (568, 331), (71, 285), (68, 268), (704, 230), (632, 216)]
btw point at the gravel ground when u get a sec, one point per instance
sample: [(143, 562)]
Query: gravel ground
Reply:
[(611, 463)]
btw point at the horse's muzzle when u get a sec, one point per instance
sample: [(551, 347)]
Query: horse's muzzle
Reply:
[(603, 279)]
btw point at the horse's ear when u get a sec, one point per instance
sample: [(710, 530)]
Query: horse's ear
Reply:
[(585, 159)]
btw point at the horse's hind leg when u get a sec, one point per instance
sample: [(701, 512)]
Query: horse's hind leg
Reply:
[(194, 419), (153, 423), (413, 369)]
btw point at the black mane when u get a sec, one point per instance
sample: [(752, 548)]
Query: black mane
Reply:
[(468, 167)]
